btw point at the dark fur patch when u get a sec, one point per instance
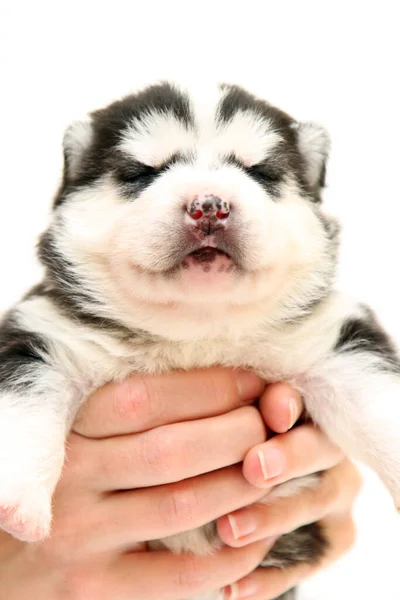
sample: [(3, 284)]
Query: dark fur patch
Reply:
[(108, 125), (366, 335), (67, 293), (289, 595), (59, 271), (134, 177), (69, 305), (19, 351), (307, 544), (286, 158), (237, 99)]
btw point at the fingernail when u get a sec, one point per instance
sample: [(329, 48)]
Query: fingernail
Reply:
[(231, 592), (242, 523), (247, 587), (249, 385), (293, 412), (272, 462)]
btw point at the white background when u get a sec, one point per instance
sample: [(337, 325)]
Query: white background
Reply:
[(335, 62)]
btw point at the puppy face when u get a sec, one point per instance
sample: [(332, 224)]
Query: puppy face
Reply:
[(182, 210)]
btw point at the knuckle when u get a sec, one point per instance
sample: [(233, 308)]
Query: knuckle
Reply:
[(131, 400), (180, 506), (159, 451), (190, 577)]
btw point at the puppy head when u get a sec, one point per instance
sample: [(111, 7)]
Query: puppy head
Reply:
[(184, 214)]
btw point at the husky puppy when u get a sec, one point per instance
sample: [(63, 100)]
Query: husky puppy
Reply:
[(188, 232)]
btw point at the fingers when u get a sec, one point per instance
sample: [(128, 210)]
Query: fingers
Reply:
[(301, 451), (332, 500), (144, 402), (334, 493), (165, 454), (121, 519), (281, 406), (266, 584), (164, 575), (185, 505)]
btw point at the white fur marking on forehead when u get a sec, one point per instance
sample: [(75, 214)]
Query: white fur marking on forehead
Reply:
[(249, 136), (158, 136), (155, 138)]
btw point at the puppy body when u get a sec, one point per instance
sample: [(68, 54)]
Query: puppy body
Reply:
[(185, 234)]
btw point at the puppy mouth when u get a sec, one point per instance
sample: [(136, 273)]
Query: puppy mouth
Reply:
[(208, 260), (207, 254)]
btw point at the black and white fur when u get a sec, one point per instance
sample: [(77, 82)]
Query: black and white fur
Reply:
[(128, 287)]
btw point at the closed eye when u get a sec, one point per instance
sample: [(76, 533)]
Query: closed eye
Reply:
[(264, 173), (262, 169), (130, 171), (134, 177), (134, 172), (266, 176)]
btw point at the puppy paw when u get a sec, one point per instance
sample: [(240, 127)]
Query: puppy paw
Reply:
[(25, 513), (31, 460)]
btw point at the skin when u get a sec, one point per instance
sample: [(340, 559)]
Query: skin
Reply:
[(157, 455)]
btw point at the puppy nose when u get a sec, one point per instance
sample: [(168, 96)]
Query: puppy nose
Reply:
[(208, 211)]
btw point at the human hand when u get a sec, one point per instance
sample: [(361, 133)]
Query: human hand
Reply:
[(176, 440), (300, 451)]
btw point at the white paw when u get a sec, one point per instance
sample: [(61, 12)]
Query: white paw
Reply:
[(31, 457), (25, 511)]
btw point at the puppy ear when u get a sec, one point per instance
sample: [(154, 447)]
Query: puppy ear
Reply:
[(314, 144), (77, 139)]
